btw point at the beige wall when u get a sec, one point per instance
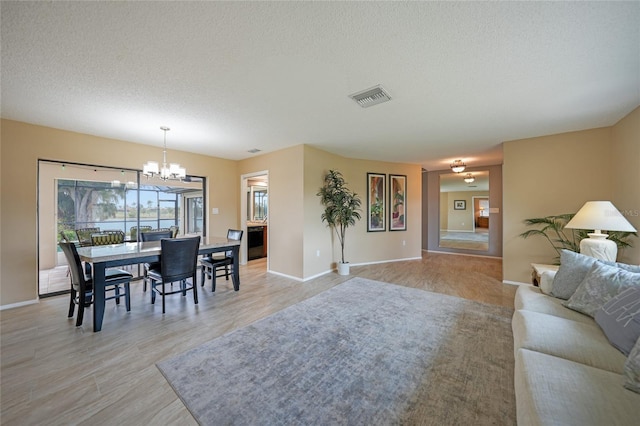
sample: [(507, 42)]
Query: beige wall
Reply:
[(625, 164), (23, 144), (458, 220), (361, 246), (300, 245), (286, 211), (557, 174)]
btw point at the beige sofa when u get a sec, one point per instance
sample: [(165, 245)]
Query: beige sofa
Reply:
[(566, 371)]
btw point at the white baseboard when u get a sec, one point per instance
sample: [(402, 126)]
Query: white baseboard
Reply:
[(462, 254), (514, 282), (334, 269), (19, 304), (386, 261)]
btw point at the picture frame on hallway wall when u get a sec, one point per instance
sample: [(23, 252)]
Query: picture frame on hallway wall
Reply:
[(459, 204), (376, 202), (397, 202)]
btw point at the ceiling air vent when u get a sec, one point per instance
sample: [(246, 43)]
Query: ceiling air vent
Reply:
[(373, 96)]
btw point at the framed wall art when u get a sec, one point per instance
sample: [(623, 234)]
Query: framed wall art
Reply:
[(397, 202), (459, 204), (376, 202)]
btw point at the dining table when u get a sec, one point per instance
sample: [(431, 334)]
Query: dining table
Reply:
[(131, 253)]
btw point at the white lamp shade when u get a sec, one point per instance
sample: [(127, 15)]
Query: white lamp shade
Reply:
[(600, 215), (150, 168)]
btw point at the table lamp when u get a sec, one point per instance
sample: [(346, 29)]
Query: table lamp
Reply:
[(599, 215)]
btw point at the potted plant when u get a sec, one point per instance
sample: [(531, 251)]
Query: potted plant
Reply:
[(553, 229), (342, 209)]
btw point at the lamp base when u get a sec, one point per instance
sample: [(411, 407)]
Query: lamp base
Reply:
[(598, 246)]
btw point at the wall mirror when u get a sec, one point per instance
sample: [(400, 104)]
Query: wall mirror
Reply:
[(464, 211)]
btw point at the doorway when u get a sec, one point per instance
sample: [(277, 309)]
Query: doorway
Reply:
[(255, 218)]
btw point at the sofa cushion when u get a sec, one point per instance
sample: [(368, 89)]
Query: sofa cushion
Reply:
[(572, 340), (632, 369), (600, 284), (531, 299), (573, 268), (556, 391), (619, 318)]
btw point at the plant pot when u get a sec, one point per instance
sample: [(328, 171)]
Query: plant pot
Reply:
[(343, 268)]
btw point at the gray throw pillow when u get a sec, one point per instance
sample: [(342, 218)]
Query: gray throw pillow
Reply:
[(632, 369), (573, 268), (600, 285), (619, 318)]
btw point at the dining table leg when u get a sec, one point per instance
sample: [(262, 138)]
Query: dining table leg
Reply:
[(98, 295), (236, 268)]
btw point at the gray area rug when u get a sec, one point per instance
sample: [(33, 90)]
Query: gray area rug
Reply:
[(361, 353)]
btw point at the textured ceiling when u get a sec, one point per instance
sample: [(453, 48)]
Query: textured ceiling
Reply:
[(231, 76)]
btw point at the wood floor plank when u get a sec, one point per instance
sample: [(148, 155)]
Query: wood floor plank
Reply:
[(55, 373)]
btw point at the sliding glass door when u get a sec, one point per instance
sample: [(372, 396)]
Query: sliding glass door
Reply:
[(76, 196)]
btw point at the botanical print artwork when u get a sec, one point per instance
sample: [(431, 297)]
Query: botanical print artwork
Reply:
[(397, 194), (376, 202)]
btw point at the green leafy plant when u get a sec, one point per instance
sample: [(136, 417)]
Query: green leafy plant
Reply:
[(553, 229), (342, 206)]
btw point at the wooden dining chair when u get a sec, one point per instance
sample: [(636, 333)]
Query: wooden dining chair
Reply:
[(178, 263), (210, 264), (116, 281), (152, 236)]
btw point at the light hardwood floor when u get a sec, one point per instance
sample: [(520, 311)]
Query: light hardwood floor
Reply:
[(55, 373)]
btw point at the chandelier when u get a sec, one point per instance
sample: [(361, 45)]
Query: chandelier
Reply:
[(469, 178), (172, 172), (458, 166)]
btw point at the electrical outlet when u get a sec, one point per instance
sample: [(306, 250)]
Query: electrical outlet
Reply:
[(317, 253), (404, 243)]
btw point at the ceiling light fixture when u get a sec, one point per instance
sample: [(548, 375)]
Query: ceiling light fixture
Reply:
[(173, 172), (458, 166), (469, 178)]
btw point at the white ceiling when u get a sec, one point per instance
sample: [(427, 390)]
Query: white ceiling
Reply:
[(231, 76), (454, 182)]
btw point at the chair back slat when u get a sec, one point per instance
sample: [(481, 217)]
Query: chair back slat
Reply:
[(155, 235), (179, 258)]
